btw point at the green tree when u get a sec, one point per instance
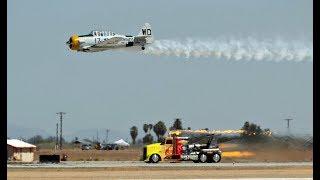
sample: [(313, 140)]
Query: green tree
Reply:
[(150, 126), (134, 134), (177, 124), (37, 139), (253, 132), (267, 131), (252, 128), (145, 128), (160, 129), (245, 128), (258, 131), (147, 139), (49, 139)]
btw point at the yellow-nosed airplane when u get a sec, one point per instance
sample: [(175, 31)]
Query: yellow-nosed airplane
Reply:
[(105, 40)]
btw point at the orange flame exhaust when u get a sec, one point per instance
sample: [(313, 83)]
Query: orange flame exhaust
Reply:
[(238, 154)]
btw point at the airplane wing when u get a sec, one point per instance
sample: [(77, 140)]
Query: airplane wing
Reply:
[(143, 39), (111, 41), (140, 39)]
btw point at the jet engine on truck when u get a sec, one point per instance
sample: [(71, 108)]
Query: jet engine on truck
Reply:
[(208, 152)]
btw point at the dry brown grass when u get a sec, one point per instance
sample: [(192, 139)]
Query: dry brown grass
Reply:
[(270, 154), (95, 155)]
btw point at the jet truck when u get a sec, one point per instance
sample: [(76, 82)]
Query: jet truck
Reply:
[(199, 146)]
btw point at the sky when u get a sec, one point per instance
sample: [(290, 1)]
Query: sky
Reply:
[(117, 90)]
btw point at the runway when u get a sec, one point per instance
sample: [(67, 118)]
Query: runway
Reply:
[(75, 170), (141, 164)]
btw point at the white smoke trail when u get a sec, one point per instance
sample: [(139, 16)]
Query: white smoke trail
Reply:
[(243, 49)]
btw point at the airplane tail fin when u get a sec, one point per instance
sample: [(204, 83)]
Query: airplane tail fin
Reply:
[(145, 30)]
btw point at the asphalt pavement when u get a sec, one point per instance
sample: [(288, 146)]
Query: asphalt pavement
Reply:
[(139, 164)]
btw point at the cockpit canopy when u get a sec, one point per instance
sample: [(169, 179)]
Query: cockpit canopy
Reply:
[(102, 33), (99, 33)]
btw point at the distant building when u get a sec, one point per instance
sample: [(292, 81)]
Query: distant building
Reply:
[(77, 144), (20, 151)]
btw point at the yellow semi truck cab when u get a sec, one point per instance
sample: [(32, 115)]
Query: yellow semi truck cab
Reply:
[(157, 151)]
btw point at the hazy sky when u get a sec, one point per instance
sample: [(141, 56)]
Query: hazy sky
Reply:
[(117, 90)]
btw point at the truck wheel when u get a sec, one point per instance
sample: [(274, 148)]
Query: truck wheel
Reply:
[(154, 158), (203, 158), (216, 158), (196, 161)]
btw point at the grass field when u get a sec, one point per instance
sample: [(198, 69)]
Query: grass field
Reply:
[(95, 155), (232, 153)]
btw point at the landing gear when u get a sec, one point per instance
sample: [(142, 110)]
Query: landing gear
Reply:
[(143, 48)]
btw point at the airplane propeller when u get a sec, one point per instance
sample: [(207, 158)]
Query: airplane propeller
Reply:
[(69, 43)]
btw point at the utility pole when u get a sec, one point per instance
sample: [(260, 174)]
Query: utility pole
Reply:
[(61, 117), (57, 134), (288, 124), (97, 136), (107, 135)]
